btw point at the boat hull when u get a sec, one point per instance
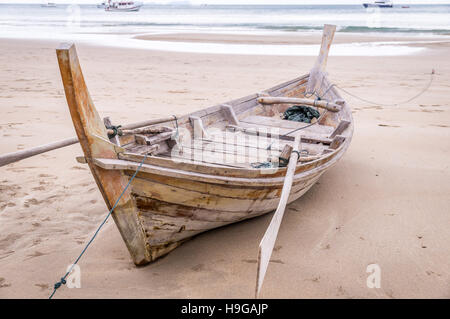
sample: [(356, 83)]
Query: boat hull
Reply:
[(171, 209), (170, 214)]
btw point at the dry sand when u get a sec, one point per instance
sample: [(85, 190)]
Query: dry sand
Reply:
[(387, 202)]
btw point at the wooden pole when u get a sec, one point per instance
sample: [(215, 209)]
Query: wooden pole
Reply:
[(292, 100), (20, 155), (270, 236), (318, 71)]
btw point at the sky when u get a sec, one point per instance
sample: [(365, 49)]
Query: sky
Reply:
[(279, 2)]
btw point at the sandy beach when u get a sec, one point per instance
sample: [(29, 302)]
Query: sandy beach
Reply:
[(387, 202)]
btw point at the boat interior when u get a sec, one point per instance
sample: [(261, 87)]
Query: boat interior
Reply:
[(244, 133)]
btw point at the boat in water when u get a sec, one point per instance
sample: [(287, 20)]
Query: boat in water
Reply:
[(379, 4), (212, 167), (122, 6), (49, 5)]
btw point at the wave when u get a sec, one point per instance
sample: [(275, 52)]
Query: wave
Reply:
[(355, 29), (359, 29)]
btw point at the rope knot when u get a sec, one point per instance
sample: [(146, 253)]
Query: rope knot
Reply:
[(116, 130), (59, 283)]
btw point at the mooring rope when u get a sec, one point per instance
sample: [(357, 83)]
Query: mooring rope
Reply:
[(320, 97), (63, 279), (384, 104)]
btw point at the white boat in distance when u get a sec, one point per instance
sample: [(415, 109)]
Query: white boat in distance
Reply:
[(48, 5), (123, 6), (379, 4)]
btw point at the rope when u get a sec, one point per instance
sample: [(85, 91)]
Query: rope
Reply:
[(63, 279), (395, 104), (116, 130)]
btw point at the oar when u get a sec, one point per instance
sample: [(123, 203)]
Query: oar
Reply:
[(20, 155), (268, 241)]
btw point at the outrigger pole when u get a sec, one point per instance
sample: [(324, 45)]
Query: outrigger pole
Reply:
[(20, 155)]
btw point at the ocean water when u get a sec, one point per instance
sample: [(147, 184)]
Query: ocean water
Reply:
[(91, 24)]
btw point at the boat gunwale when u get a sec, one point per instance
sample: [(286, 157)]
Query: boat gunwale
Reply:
[(128, 165)]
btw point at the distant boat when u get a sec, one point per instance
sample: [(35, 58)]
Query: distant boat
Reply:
[(122, 6), (379, 4), (101, 5), (49, 5)]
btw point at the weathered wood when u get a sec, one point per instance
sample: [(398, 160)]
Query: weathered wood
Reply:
[(268, 241), (176, 196), (13, 157), (148, 123), (286, 125), (286, 153), (310, 138), (88, 126), (147, 130), (337, 141), (267, 180), (317, 73), (342, 126), (197, 125), (290, 100), (152, 140), (229, 114), (6, 159)]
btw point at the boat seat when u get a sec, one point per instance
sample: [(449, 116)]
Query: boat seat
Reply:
[(284, 126)]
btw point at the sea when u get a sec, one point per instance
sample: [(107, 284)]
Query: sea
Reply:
[(91, 24)]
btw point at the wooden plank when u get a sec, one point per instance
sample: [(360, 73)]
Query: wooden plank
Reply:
[(228, 111), (259, 178), (91, 130), (337, 141), (192, 198), (230, 150), (232, 191), (342, 126), (287, 124), (216, 158), (153, 140), (257, 143), (199, 129), (255, 129), (268, 241)]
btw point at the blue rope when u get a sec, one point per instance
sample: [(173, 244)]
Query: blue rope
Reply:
[(63, 279)]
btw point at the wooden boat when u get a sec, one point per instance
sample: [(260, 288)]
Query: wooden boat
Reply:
[(188, 184)]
